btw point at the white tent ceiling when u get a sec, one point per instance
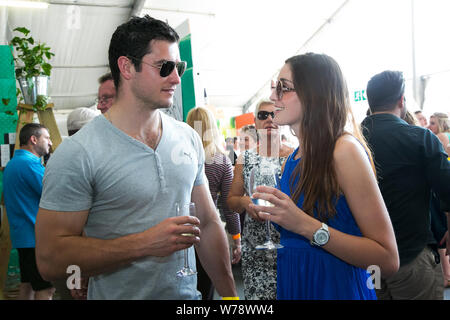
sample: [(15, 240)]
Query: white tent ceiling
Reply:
[(240, 45)]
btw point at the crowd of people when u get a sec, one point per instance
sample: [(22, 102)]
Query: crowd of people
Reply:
[(349, 198)]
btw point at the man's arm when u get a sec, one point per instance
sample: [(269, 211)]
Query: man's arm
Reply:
[(59, 244), (213, 248)]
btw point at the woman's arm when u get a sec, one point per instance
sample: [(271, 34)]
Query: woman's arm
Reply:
[(237, 200), (232, 218)]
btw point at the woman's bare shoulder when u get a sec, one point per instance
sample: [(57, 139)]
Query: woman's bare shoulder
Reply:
[(347, 147)]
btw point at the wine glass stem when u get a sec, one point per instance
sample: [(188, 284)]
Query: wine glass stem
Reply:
[(186, 261), (268, 230)]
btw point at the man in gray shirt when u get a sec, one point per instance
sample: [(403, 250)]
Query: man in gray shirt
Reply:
[(119, 178)]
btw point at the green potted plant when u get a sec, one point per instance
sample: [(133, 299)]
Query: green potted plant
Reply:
[(32, 68)]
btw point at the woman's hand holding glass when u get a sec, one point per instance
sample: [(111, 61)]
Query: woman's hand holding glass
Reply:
[(267, 176), (246, 202), (283, 210)]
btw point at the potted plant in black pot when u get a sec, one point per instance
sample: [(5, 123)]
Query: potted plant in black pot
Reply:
[(32, 68)]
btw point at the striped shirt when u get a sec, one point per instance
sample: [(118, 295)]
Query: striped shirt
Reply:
[(219, 172)]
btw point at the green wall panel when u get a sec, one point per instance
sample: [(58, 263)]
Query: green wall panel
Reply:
[(6, 63), (187, 81), (188, 92), (7, 94), (186, 50)]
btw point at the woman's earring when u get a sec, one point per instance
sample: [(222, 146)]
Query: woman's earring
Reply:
[(292, 132)]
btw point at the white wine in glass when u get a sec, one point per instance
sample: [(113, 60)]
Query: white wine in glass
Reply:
[(185, 210), (264, 176)]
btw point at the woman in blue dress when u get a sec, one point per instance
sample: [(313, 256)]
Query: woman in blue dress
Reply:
[(332, 219)]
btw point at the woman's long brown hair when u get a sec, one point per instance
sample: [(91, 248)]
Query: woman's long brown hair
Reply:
[(324, 98)]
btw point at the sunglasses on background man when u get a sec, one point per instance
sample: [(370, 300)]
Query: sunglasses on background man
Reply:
[(263, 115)]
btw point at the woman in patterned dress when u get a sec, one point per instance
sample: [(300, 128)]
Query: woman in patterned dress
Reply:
[(259, 269)]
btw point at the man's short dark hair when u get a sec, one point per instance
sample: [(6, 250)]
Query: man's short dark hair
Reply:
[(132, 40), (384, 90), (29, 130), (106, 77)]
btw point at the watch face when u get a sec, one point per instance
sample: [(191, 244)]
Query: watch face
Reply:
[(321, 237)]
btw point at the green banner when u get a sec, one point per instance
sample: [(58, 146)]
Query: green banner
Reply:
[(187, 81), (8, 100)]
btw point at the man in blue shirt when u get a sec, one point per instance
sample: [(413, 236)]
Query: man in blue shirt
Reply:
[(410, 163), (22, 184)]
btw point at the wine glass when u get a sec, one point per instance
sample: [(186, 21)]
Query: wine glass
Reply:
[(185, 210), (265, 175)]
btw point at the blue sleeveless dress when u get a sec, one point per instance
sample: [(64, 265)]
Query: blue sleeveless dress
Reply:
[(309, 272)]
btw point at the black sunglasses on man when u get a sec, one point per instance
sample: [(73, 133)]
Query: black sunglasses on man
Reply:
[(167, 66)]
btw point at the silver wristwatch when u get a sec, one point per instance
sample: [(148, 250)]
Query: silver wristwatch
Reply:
[(321, 236)]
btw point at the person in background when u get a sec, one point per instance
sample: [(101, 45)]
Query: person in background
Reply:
[(440, 126), (120, 178), (411, 163), (106, 92), (438, 221), (331, 215), (236, 146), (219, 171), (230, 150), (248, 137), (421, 118), (259, 267), (22, 188), (78, 118), (410, 119)]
